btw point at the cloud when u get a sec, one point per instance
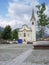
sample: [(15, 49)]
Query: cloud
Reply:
[(25, 6), (4, 22), (18, 9), (47, 10), (12, 22), (19, 13)]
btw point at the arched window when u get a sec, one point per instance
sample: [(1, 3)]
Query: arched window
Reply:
[(24, 34)]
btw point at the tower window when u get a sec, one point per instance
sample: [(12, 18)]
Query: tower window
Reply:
[(32, 23), (24, 34)]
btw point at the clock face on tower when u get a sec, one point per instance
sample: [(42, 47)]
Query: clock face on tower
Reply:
[(32, 23)]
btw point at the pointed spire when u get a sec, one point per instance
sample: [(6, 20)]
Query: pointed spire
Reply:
[(33, 17)]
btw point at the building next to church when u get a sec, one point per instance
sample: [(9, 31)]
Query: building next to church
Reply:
[(28, 34)]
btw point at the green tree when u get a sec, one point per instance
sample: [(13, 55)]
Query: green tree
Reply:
[(6, 34), (0, 35), (15, 34), (43, 19)]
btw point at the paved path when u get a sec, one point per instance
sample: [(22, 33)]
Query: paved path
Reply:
[(19, 60)]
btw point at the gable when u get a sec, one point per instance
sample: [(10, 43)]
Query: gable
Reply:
[(25, 28)]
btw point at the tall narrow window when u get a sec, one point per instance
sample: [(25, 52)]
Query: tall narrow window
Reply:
[(24, 34)]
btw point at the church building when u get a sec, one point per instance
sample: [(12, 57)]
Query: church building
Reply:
[(28, 34)]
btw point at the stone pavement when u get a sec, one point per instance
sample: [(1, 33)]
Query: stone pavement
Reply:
[(14, 53), (22, 54), (19, 60)]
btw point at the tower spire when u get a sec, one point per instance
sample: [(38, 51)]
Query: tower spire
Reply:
[(32, 17)]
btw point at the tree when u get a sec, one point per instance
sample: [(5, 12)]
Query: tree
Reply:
[(0, 35), (43, 19), (6, 34), (15, 34)]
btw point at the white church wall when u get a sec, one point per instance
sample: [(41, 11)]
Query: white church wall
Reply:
[(28, 35)]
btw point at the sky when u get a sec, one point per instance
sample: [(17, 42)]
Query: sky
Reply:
[(18, 12)]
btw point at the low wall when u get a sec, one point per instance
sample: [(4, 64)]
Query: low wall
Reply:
[(41, 47)]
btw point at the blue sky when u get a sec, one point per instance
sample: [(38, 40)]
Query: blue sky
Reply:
[(18, 12)]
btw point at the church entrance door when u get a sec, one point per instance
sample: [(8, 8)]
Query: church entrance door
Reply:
[(24, 40)]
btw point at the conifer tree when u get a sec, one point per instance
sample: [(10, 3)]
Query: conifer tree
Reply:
[(43, 19)]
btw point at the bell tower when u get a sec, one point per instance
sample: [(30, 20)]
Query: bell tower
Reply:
[(33, 26)]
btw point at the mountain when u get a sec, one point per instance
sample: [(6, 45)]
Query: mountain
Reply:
[(1, 29)]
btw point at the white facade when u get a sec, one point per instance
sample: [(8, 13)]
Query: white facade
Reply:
[(25, 33), (28, 34), (33, 28)]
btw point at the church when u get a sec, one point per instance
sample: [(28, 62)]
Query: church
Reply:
[(28, 34)]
